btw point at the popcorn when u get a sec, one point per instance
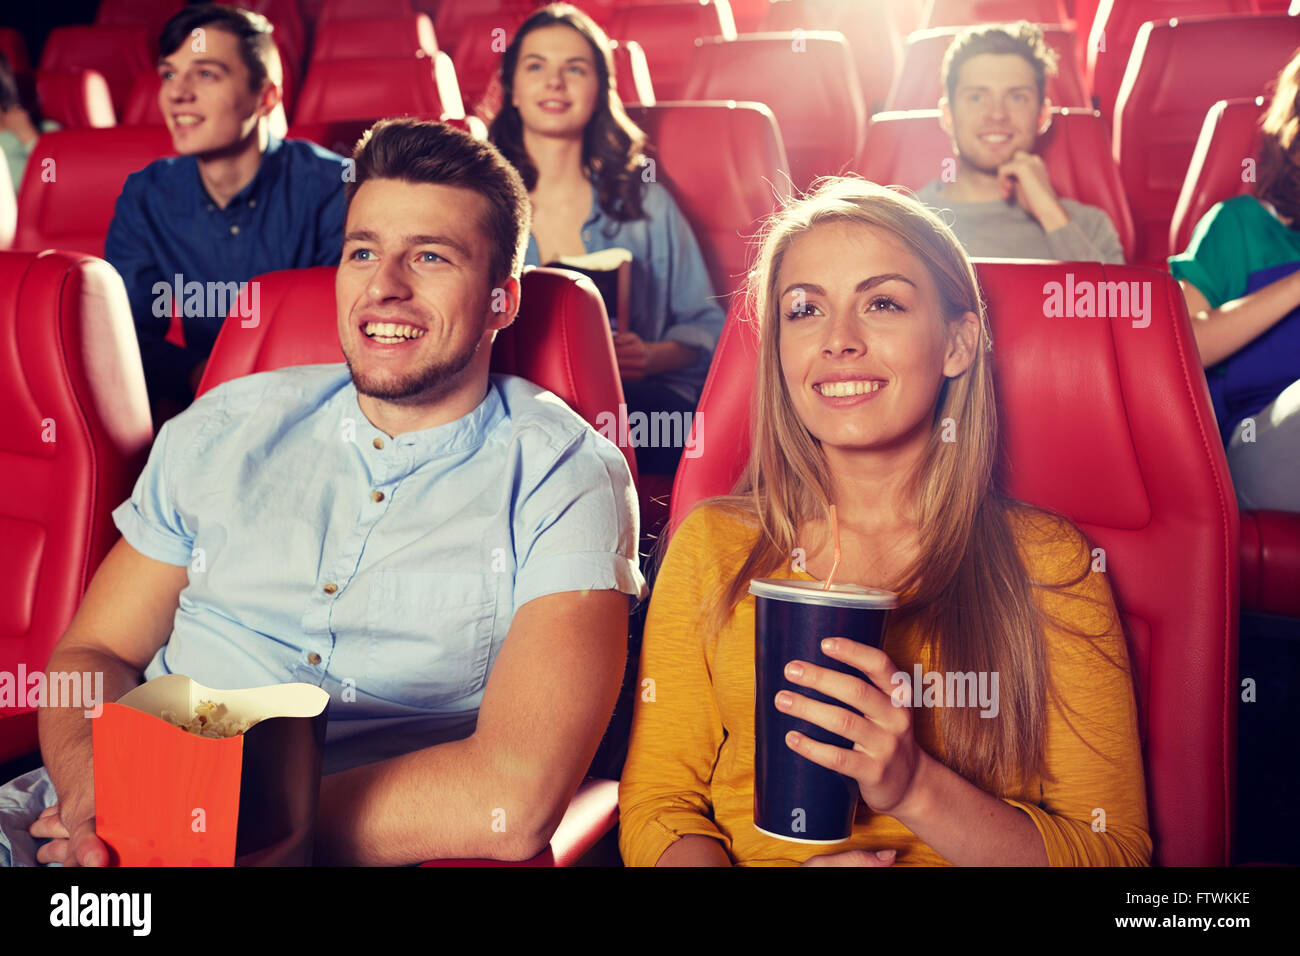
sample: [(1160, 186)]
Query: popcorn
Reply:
[(210, 720)]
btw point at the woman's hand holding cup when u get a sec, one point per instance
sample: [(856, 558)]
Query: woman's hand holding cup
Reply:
[(885, 757)]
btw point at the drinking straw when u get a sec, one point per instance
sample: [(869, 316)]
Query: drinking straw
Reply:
[(835, 560)]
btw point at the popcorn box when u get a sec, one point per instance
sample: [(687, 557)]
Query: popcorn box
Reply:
[(167, 797)]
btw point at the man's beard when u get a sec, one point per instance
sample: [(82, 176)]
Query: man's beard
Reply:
[(430, 383)]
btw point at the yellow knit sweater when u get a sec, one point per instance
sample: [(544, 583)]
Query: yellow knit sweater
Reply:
[(690, 767)]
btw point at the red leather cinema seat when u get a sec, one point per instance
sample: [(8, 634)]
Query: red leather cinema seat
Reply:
[(725, 190), (1115, 28), (143, 13), (810, 86), (1178, 70), (909, 149), (476, 45), (75, 99), (365, 9), (378, 36), (667, 31), (79, 432), (920, 85), (1270, 562), (375, 87), (958, 13), (1110, 425), (116, 53), (72, 182), (560, 340), (1221, 166), (871, 29)]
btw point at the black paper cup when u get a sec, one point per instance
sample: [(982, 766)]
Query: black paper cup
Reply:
[(794, 798)]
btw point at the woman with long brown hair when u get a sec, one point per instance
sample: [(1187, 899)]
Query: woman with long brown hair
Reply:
[(1241, 278), (874, 395), (584, 164)]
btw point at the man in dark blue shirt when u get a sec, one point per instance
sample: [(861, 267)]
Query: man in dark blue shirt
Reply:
[(236, 203)]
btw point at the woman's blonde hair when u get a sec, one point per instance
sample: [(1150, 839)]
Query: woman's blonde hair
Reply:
[(968, 588)]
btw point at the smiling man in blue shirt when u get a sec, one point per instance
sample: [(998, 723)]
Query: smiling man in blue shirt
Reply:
[(448, 553), (237, 202)]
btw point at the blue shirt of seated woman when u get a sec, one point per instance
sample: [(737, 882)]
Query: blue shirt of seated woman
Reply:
[(672, 298)]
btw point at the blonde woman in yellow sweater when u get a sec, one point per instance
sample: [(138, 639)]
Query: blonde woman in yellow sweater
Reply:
[(856, 283)]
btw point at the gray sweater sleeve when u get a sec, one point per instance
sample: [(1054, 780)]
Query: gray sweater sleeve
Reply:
[(1087, 237)]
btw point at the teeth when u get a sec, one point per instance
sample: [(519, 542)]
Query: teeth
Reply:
[(187, 120), (390, 332), (845, 389)]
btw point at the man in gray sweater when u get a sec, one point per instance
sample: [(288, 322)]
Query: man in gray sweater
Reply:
[(1001, 202)]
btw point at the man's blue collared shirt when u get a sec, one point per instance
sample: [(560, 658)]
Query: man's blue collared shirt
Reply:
[(384, 570), (671, 294), (289, 216)]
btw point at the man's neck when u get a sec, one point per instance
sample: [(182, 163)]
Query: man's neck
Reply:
[(973, 185), (419, 413), (225, 173), (558, 160)]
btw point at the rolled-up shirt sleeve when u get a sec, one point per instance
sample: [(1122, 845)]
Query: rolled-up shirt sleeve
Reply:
[(1089, 236), (148, 519), (677, 732), (577, 524)]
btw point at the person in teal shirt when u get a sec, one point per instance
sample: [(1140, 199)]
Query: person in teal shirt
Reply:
[(18, 134), (1241, 279)]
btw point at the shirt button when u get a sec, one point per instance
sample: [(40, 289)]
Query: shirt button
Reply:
[(313, 658), (252, 203), (378, 443), (376, 496), (586, 235), (234, 230), (330, 588), (211, 207)]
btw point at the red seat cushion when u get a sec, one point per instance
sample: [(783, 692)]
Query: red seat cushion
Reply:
[(75, 99), (72, 182), (1224, 155), (117, 53), (1115, 28), (810, 86), (909, 148), (956, 13), (1110, 425), (667, 32), (1179, 69), (726, 190), (73, 386), (369, 88)]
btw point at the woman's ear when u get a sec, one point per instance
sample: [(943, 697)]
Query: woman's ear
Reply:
[(963, 340)]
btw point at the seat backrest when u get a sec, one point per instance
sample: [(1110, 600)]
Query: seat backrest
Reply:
[(1222, 165), (1179, 69), (145, 13), (376, 37), (911, 149), (1115, 27), (117, 53), (667, 31), (289, 32), (364, 9), (342, 136), (14, 47), (871, 29), (723, 191), (366, 88), (632, 73), (920, 84), (73, 389), (960, 13), (72, 181), (75, 99), (1136, 464), (560, 340), (809, 84), (476, 45)]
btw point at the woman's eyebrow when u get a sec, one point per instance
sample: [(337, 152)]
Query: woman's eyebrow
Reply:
[(863, 286)]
